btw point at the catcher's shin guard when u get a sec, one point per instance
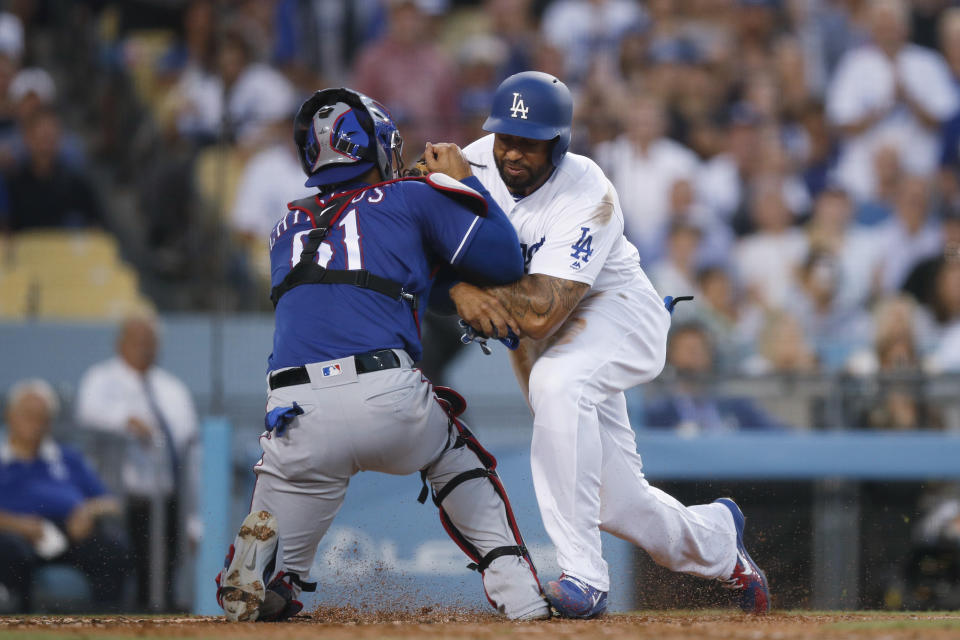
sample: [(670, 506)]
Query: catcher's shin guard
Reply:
[(478, 517)]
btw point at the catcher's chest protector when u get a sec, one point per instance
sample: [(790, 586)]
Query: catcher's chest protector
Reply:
[(307, 271)]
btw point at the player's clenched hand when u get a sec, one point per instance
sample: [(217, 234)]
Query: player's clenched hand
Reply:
[(446, 157), (482, 311)]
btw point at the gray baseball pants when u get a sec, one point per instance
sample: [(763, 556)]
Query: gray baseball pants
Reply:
[(387, 421)]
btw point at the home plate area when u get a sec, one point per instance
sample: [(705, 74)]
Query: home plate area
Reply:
[(347, 623)]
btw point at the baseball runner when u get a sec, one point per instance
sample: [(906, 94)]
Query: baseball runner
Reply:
[(593, 326), (351, 270)]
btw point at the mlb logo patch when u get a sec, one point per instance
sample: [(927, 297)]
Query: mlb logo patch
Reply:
[(332, 370)]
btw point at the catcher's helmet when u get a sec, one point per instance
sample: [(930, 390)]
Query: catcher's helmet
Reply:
[(533, 104), (341, 134)]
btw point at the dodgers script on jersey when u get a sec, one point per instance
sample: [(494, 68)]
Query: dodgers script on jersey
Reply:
[(571, 227), (400, 227)]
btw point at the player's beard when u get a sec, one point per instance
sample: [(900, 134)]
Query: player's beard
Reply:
[(519, 184)]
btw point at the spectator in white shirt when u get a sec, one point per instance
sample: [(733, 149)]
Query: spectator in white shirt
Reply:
[(733, 325), (911, 236), (936, 284), (271, 178), (130, 395), (949, 32), (721, 184), (584, 29), (889, 92), (753, 152), (718, 238), (833, 326), (946, 301), (831, 229), (887, 173), (252, 93), (922, 281), (676, 274), (644, 165), (767, 259)]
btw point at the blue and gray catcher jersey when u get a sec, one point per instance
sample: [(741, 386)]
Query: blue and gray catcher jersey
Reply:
[(402, 230)]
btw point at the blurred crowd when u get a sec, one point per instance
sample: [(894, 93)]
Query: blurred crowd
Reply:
[(793, 164)]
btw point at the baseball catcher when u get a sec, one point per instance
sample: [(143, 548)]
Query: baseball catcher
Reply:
[(351, 271)]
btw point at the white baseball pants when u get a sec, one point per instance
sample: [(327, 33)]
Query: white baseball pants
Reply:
[(387, 421), (586, 470)]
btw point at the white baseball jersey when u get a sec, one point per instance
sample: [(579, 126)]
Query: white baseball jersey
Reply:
[(571, 227), (586, 471)]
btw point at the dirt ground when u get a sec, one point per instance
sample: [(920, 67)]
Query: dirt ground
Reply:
[(448, 624)]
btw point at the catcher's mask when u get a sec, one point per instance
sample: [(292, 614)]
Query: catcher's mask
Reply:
[(341, 134), (535, 105)]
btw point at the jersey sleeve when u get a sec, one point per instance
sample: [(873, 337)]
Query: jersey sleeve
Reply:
[(583, 231), (449, 227)]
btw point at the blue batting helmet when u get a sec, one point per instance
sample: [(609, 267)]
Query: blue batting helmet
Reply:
[(533, 104), (341, 134)]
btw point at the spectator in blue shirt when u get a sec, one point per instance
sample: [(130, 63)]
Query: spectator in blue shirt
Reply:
[(691, 405), (52, 504)]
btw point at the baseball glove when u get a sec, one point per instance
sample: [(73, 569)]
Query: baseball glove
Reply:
[(417, 170)]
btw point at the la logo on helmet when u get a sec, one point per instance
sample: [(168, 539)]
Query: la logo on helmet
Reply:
[(518, 107)]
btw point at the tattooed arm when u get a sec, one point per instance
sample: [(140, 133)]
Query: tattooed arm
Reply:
[(533, 306)]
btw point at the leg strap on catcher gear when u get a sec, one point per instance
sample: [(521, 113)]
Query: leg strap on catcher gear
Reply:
[(280, 603), (457, 480), (453, 404), (294, 578), (480, 563), (424, 490), (514, 550)]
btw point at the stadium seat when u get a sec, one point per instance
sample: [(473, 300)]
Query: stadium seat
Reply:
[(60, 588), (218, 172), (97, 293), (68, 274), (15, 294), (64, 246)]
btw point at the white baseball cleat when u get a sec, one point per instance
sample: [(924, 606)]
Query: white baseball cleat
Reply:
[(249, 567)]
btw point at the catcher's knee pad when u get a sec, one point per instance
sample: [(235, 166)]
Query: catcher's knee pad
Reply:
[(453, 403), (464, 438)]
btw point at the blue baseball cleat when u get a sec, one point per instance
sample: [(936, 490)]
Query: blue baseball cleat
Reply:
[(573, 598), (747, 576)]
